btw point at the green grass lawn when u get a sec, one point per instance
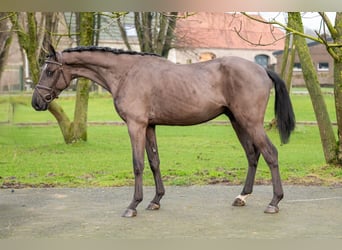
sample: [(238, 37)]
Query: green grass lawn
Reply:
[(203, 154)]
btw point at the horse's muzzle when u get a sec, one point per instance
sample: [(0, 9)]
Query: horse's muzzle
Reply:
[(38, 103)]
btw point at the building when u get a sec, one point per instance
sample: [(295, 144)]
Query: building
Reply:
[(219, 34), (323, 62)]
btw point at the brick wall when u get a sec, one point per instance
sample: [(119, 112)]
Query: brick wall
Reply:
[(323, 63)]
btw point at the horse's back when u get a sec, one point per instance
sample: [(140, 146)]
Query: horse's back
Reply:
[(190, 94)]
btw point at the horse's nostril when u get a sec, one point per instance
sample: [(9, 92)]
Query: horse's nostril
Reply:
[(35, 106)]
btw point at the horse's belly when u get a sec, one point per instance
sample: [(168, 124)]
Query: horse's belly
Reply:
[(185, 115), (187, 105)]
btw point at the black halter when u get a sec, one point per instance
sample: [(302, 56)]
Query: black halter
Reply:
[(52, 91)]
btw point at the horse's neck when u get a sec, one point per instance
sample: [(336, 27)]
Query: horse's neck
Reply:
[(104, 69)]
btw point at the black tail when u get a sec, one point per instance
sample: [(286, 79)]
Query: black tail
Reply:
[(282, 108)]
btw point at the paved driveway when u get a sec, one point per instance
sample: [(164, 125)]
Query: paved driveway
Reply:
[(186, 212)]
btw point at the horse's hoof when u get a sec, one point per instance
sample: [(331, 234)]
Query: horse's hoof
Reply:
[(239, 202), (129, 213), (153, 206), (270, 209)]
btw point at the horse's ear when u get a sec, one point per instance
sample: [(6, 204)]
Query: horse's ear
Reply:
[(52, 52)]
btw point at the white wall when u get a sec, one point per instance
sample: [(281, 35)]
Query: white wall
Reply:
[(185, 56)]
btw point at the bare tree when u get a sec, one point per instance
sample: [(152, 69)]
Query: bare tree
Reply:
[(85, 22), (36, 30), (25, 25), (29, 31), (155, 31), (311, 80), (335, 50), (76, 130)]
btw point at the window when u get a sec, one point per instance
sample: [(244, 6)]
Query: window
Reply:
[(297, 67), (262, 60), (206, 56), (323, 66)]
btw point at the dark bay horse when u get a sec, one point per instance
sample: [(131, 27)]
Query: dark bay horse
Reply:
[(149, 90)]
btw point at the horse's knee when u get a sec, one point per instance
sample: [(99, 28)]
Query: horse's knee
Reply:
[(138, 169)]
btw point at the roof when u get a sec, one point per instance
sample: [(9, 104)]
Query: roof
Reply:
[(217, 30), (309, 42)]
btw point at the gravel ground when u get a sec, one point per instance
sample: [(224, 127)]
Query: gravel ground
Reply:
[(195, 212)]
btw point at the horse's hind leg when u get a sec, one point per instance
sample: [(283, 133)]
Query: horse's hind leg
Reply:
[(270, 154), (252, 154), (153, 158)]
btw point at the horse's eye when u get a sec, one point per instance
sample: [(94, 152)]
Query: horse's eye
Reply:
[(48, 98), (49, 73)]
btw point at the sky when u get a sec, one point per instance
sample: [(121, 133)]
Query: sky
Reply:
[(310, 19)]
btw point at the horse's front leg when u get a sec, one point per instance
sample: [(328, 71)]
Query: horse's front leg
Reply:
[(153, 158), (137, 133)]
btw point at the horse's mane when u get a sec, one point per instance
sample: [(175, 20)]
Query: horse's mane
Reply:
[(107, 49)]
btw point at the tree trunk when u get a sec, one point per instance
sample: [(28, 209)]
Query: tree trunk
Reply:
[(29, 41), (51, 25), (155, 31), (79, 126), (286, 70), (5, 39), (62, 119), (81, 111), (143, 26), (338, 104), (337, 36), (169, 34), (123, 33), (311, 80), (65, 125), (288, 79)]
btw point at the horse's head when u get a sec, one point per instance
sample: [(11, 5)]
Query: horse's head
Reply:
[(53, 80)]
